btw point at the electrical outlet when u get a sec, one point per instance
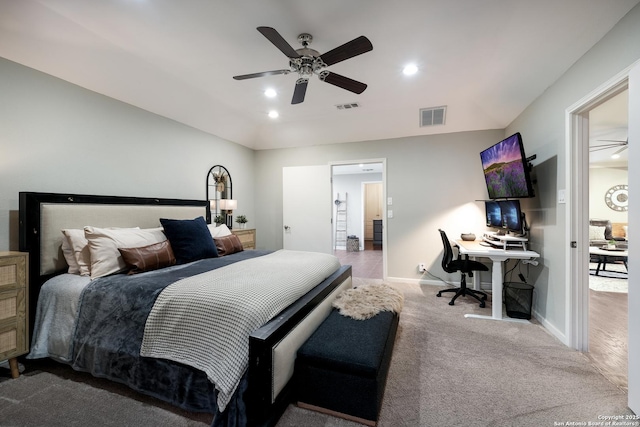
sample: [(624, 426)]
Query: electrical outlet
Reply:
[(421, 267)]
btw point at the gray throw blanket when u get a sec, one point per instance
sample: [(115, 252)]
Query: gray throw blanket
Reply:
[(204, 321)]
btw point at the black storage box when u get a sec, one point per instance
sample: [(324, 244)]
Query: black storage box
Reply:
[(342, 368)]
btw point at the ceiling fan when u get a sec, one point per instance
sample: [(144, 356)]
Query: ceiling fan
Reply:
[(613, 143), (306, 62)]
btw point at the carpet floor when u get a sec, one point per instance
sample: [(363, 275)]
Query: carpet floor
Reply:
[(447, 370)]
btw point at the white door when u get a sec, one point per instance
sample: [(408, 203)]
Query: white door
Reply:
[(372, 207), (634, 247), (306, 207)]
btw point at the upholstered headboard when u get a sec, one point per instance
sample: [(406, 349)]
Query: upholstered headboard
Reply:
[(55, 217), (44, 215)]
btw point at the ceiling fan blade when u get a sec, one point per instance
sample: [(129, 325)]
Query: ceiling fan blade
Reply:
[(262, 74), (299, 91), (601, 147), (278, 41), (343, 82), (348, 50)]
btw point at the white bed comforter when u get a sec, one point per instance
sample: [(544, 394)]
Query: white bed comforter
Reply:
[(204, 321)]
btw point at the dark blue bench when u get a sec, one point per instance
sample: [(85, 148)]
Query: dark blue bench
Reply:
[(342, 368)]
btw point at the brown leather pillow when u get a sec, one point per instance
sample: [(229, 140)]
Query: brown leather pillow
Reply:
[(147, 258), (227, 245)]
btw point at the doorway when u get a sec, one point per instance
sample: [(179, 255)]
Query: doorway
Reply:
[(608, 219), (358, 226), (372, 215), (577, 220)]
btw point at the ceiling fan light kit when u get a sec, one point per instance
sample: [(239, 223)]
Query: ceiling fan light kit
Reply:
[(307, 62)]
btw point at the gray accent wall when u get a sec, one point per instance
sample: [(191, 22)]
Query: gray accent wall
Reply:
[(434, 181), (543, 129), (59, 137)]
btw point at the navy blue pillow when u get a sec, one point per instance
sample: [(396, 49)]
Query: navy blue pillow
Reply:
[(190, 239)]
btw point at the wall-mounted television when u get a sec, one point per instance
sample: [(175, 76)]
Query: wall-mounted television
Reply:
[(506, 171)]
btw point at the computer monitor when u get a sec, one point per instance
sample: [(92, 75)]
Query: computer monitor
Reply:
[(494, 214), (511, 215)]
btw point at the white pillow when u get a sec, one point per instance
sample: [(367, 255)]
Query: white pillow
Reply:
[(104, 243), (596, 232), (626, 231), (69, 256), (80, 248), (219, 231)]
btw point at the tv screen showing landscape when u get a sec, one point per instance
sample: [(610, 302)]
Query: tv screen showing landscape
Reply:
[(505, 169)]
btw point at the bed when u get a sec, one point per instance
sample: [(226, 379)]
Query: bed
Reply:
[(103, 318)]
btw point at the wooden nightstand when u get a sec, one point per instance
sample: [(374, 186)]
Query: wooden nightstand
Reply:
[(247, 237), (14, 308)]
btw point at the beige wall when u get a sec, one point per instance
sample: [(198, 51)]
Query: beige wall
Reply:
[(600, 181)]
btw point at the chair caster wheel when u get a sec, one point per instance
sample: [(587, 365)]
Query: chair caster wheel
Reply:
[(438, 295), (450, 302), (482, 304), (484, 298)]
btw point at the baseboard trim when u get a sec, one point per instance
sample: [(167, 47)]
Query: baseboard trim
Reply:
[(485, 287)]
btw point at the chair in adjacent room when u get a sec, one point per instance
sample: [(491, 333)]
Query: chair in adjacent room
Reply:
[(464, 266)]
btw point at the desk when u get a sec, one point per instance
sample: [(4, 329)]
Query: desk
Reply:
[(497, 256)]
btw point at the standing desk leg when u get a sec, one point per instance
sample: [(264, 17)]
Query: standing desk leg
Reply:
[(496, 290), (496, 296)]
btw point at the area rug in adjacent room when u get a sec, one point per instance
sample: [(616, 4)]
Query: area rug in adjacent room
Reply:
[(613, 279)]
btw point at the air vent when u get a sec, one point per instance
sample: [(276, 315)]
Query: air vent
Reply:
[(348, 106), (432, 116)]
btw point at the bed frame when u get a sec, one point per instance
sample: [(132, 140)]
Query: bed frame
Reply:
[(272, 348)]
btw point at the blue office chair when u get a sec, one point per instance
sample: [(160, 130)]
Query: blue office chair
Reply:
[(464, 266)]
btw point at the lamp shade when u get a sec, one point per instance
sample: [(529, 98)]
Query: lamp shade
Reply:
[(228, 204)]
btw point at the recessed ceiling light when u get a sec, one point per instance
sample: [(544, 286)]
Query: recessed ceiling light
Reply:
[(410, 69), (273, 114), (270, 93)]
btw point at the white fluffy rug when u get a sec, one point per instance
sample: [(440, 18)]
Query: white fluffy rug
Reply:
[(366, 301)]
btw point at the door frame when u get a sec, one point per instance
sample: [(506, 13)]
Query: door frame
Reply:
[(577, 212), (577, 302), (384, 197)]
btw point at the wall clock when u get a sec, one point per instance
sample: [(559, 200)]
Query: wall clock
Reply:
[(617, 197)]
